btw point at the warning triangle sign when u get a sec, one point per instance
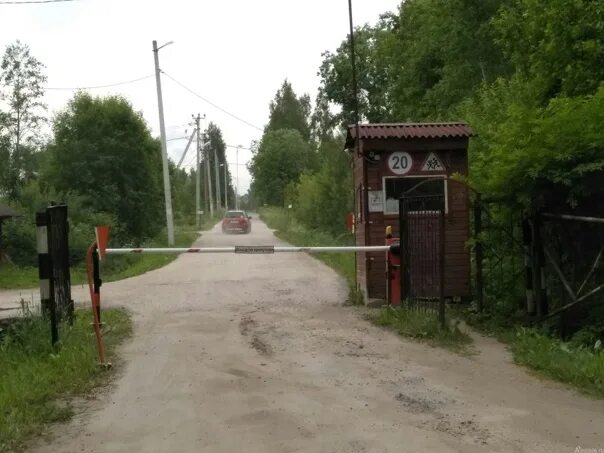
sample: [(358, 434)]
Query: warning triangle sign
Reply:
[(433, 163), (102, 237)]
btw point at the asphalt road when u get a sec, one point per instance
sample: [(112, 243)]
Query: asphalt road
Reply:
[(257, 353)]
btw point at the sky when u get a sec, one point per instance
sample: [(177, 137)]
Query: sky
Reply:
[(234, 53)]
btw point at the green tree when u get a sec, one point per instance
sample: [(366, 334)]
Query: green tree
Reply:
[(323, 198), (281, 158), (373, 48), (183, 194), (556, 44), (216, 149), (21, 79), (288, 111), (103, 150), (446, 49)]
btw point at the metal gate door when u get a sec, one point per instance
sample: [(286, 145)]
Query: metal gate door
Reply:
[(422, 230)]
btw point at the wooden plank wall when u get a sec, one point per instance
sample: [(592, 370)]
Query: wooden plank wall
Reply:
[(457, 260)]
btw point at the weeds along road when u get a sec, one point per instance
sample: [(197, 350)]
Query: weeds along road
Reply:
[(240, 353)]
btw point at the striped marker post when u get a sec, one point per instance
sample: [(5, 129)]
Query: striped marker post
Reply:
[(45, 274)]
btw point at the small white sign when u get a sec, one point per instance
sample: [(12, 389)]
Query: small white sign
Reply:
[(376, 201), (400, 162), (433, 163)]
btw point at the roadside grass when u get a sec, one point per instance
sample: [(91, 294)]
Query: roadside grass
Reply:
[(37, 380), (422, 326), (114, 268), (14, 277), (579, 366)]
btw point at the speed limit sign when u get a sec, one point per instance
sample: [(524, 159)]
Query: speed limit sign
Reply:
[(400, 162)]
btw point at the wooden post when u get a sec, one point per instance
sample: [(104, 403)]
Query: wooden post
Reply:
[(58, 248), (478, 252)]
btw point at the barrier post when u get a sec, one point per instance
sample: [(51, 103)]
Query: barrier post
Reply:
[(95, 297), (47, 299), (97, 282)]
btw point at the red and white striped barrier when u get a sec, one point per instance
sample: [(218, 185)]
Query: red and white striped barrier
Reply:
[(251, 249)]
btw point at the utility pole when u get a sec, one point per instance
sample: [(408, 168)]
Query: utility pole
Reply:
[(226, 189), (209, 178), (164, 148), (237, 188), (197, 120), (193, 135), (217, 179)]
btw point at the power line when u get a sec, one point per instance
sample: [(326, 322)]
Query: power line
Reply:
[(240, 147), (210, 102), (29, 2), (101, 86)]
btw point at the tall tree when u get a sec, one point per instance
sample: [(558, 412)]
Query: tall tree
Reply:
[(216, 147), (281, 158), (288, 111), (103, 150), (22, 82)]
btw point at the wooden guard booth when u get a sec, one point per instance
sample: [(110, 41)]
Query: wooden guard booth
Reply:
[(390, 159)]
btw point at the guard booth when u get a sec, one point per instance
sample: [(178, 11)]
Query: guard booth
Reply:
[(415, 160)]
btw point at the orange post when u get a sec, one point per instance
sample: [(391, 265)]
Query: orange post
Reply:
[(95, 299)]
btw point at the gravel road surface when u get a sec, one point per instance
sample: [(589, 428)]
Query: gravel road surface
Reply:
[(238, 353)]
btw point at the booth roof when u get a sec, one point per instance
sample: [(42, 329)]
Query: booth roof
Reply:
[(383, 131)]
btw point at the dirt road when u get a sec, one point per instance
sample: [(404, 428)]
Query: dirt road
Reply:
[(257, 354)]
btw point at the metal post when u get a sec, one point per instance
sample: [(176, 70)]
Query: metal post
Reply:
[(478, 252), (164, 150), (45, 274), (441, 261)]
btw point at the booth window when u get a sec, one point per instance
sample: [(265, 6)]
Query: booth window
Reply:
[(395, 187)]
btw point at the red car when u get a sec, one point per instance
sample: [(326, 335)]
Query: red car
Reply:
[(236, 221)]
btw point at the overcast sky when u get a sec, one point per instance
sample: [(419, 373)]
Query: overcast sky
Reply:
[(235, 53)]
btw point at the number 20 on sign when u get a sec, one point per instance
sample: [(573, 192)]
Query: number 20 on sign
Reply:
[(400, 162)]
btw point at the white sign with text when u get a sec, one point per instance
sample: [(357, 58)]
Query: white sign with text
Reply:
[(400, 162)]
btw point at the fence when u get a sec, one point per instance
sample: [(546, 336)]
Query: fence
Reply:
[(537, 266), (422, 228)]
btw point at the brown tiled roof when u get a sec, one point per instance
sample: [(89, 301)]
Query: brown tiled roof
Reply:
[(6, 212), (409, 130)]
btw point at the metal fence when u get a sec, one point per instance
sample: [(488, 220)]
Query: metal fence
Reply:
[(422, 228)]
